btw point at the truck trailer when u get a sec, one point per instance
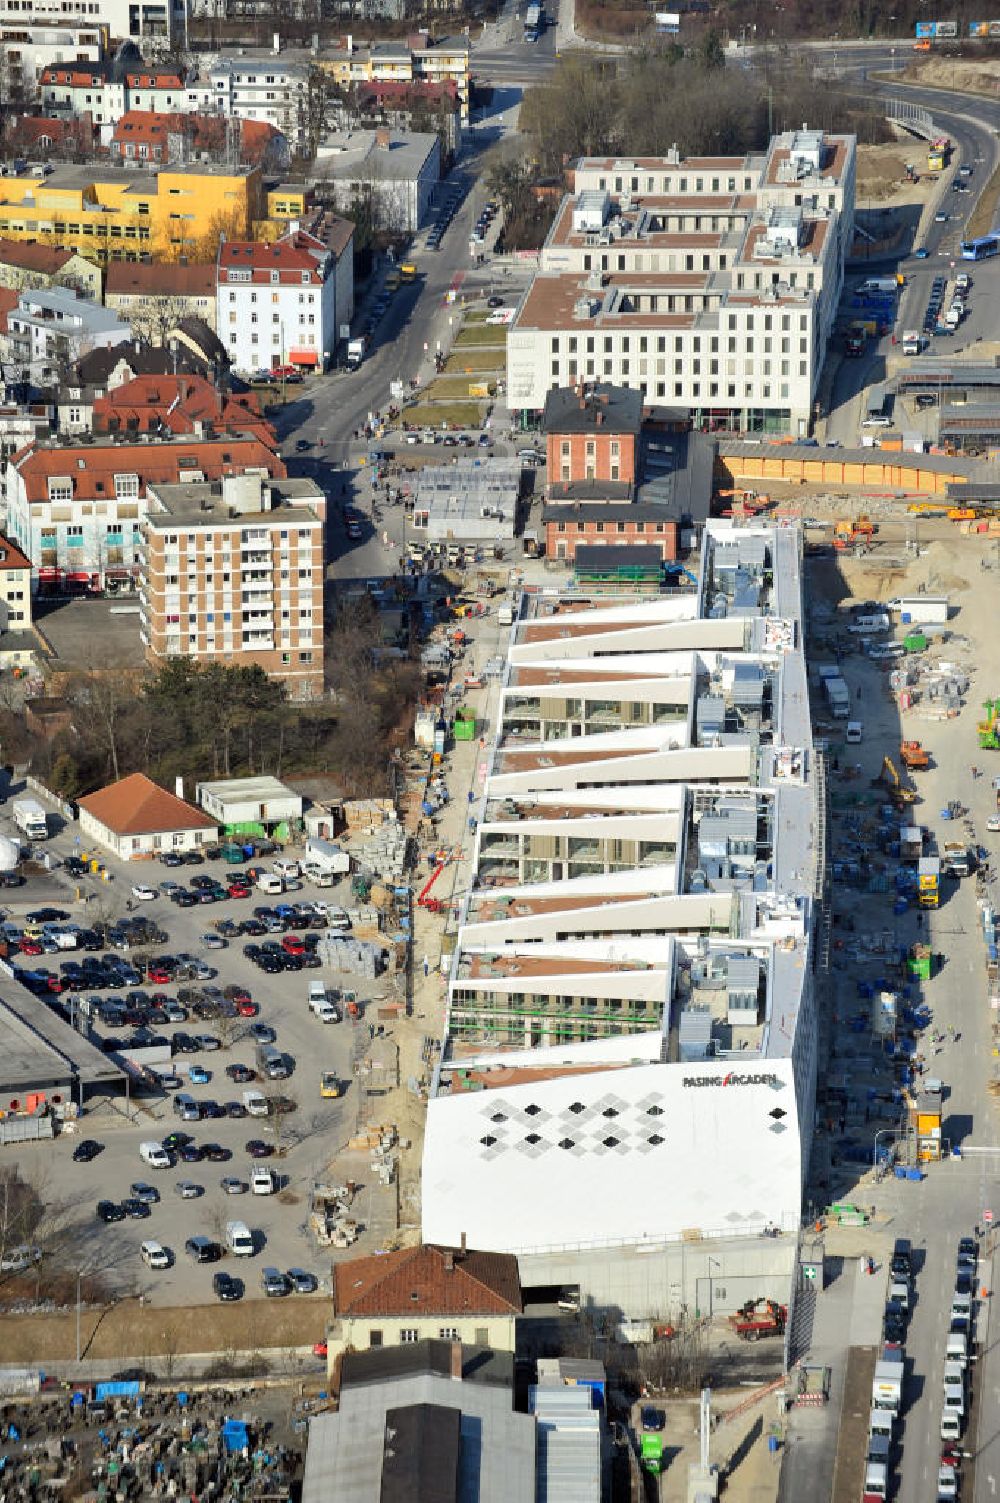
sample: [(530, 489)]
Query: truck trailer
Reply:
[(30, 818), (920, 609)]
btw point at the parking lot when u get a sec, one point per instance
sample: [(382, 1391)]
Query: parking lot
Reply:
[(198, 1018)]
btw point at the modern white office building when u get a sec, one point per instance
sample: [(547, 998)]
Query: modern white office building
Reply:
[(710, 283), (630, 1051)]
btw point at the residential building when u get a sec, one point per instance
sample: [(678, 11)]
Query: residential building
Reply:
[(32, 265), (421, 1293), (424, 1423), (86, 26), (102, 370), (28, 46), (397, 173), (631, 1001), (18, 644), (277, 304), (192, 341), (50, 137), (417, 105), (618, 479), (120, 214), (707, 283), (51, 328), (273, 89), (135, 818), (155, 137), (180, 405), (78, 508), (153, 297), (233, 573), (416, 58)]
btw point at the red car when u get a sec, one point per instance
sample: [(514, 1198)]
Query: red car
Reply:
[(319, 1349), (238, 890), (30, 947), (292, 945), (247, 1009), (159, 974)]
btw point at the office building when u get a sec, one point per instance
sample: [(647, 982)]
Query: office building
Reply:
[(233, 573), (629, 1058), (705, 283)]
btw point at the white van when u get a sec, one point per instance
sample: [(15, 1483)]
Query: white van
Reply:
[(285, 867), (263, 1182), (956, 1348), (271, 883), (317, 994), (154, 1155), (951, 1426), (239, 1239), (154, 1255), (317, 875), (854, 733), (255, 1103), (954, 1399)]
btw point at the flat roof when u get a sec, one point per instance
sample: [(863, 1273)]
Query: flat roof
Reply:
[(259, 790), (39, 1048)]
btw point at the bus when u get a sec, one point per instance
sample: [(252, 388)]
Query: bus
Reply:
[(979, 250)]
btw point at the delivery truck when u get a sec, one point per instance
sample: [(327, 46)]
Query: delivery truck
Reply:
[(887, 1383), (355, 353), (29, 816), (326, 855)]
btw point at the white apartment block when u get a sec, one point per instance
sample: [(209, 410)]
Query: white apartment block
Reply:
[(268, 89), (277, 304), (27, 48), (710, 283), (156, 23), (49, 330)]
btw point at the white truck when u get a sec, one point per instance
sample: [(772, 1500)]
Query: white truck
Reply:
[(921, 609), (912, 342), (355, 353), (887, 1383), (324, 854), (838, 697), (29, 816)]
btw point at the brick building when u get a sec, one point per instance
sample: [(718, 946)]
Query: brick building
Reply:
[(592, 433)]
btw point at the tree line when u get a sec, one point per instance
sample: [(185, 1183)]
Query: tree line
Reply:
[(215, 721)]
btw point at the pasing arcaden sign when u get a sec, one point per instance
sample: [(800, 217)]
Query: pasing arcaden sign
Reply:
[(734, 1078)]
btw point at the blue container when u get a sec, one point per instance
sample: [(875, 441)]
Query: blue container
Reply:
[(899, 1172), (914, 1174)]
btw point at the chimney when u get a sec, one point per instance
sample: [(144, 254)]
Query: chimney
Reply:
[(179, 786), (456, 1361), (600, 416), (382, 138), (449, 1261), (463, 1245)]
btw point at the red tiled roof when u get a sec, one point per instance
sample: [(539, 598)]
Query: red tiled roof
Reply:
[(175, 404), (428, 1281), (8, 302), (283, 256), (160, 279), (388, 90), (31, 256), (155, 80), (149, 127), (75, 75), (93, 467), (11, 556), (137, 806)]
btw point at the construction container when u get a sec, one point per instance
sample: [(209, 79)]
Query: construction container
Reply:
[(915, 641), (465, 725)]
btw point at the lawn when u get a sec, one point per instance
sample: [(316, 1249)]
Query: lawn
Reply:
[(474, 361), (456, 414), (494, 336), (448, 388)]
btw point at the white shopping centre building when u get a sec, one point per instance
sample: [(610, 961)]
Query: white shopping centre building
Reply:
[(630, 1052)]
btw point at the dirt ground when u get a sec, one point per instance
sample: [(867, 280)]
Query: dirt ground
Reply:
[(738, 1446), (973, 75), (129, 1333), (882, 174)]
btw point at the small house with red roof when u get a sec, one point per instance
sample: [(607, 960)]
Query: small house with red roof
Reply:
[(136, 818)]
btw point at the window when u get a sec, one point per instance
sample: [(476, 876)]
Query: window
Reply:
[(408, 1334), (448, 1333)]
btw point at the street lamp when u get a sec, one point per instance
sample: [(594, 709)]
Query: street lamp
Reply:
[(881, 1133)]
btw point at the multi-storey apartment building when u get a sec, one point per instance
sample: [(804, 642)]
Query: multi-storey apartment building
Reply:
[(158, 23), (709, 283), (233, 573), (78, 508), (50, 329), (154, 297), (410, 59), (281, 303), (28, 48), (121, 214)]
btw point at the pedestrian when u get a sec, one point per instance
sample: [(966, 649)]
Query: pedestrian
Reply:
[(427, 965)]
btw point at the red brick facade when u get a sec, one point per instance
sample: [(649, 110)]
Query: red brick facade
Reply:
[(601, 455), (562, 538)]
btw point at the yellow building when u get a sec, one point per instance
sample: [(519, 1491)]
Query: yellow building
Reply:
[(117, 214)]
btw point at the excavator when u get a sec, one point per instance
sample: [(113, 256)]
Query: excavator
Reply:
[(888, 778)]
